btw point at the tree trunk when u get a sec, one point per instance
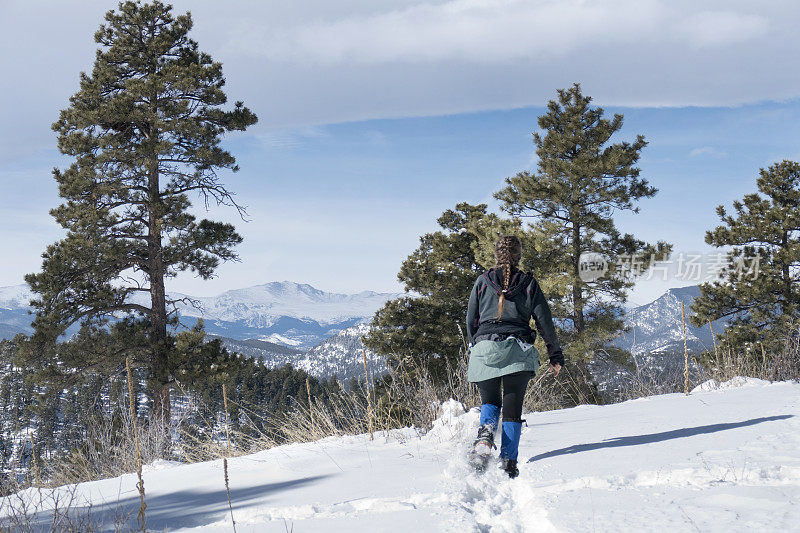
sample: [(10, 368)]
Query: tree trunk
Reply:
[(159, 371), (577, 290), (787, 306)]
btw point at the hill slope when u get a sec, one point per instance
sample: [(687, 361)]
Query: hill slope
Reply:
[(717, 460), (274, 355), (339, 355)]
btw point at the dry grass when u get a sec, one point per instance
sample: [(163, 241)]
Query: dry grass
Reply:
[(644, 384), (30, 510), (44, 509), (547, 392), (400, 399), (722, 364), (110, 449), (781, 364)]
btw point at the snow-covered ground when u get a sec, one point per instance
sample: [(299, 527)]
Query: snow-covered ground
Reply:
[(726, 458)]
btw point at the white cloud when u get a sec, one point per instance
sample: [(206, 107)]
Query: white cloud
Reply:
[(376, 60), (708, 151), (497, 31), (482, 31), (318, 62), (720, 28)]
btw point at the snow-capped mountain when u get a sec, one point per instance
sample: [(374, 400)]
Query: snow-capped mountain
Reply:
[(14, 317), (658, 326), (263, 305), (15, 297), (655, 339), (288, 313), (340, 355), (320, 332), (274, 355)]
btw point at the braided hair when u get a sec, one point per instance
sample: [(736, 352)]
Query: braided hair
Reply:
[(507, 251)]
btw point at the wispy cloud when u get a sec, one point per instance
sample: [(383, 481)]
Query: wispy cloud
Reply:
[(362, 59), (375, 137), (463, 30), (497, 31), (709, 151), (720, 28), (290, 138), (409, 58)]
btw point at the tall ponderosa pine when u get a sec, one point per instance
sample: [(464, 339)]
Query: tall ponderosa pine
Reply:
[(760, 289), (144, 131), (581, 180)]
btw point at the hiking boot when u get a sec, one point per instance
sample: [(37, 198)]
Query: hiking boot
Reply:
[(510, 467)]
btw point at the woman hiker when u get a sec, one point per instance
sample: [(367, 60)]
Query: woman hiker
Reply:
[(501, 305)]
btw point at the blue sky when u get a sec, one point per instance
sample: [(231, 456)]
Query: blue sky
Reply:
[(357, 152)]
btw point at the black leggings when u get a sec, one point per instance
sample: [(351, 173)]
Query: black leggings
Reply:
[(514, 386)]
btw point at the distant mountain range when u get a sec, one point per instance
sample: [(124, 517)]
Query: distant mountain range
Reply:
[(286, 313), (286, 322)]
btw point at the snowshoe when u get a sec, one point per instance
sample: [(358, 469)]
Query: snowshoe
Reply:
[(482, 449)]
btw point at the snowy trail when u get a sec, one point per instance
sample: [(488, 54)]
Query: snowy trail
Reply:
[(717, 460)]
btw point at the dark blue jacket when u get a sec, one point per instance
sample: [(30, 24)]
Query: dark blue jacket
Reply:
[(524, 300)]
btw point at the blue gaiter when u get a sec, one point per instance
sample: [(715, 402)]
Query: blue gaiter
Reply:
[(509, 443), (490, 415)]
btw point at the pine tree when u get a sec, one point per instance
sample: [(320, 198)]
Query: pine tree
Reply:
[(423, 329), (759, 290), (144, 131), (581, 180)]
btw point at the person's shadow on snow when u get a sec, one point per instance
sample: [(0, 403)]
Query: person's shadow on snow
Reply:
[(635, 440)]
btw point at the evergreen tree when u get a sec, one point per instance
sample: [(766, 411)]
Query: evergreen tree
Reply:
[(144, 131), (581, 180), (759, 290), (423, 329)]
